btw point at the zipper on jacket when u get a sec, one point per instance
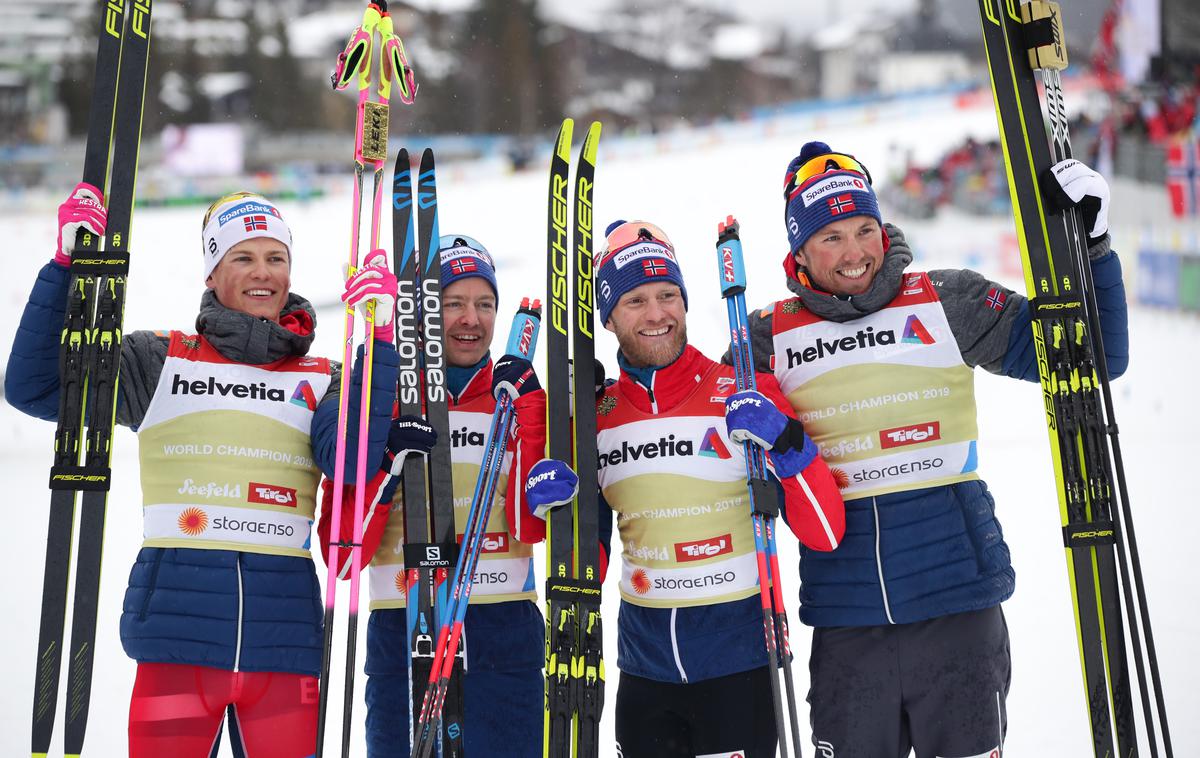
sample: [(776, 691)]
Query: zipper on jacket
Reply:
[(654, 410), (675, 648), (887, 608), (237, 650)]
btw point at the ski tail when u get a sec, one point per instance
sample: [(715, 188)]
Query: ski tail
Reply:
[(587, 667), (560, 610), (1019, 39), (109, 270)]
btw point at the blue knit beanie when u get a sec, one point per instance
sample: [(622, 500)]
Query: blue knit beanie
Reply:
[(463, 257), (636, 253), (832, 195)]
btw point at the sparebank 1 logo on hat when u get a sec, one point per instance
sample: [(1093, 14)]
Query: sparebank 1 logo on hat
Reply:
[(642, 250), (843, 183), (247, 208)]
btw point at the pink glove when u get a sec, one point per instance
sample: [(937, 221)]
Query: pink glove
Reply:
[(84, 208), (374, 283)]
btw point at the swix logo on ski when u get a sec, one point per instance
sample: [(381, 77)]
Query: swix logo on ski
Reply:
[(270, 494), (699, 550), (910, 435), (256, 391), (641, 250), (246, 209), (209, 490), (663, 447), (821, 348), (847, 447), (816, 192)]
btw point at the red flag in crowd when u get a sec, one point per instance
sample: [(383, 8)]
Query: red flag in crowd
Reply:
[(1183, 175)]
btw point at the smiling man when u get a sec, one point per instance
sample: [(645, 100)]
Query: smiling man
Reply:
[(694, 677), (223, 607), (910, 650)]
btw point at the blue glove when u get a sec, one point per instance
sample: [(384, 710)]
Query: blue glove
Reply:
[(750, 416), (408, 435), (514, 375), (551, 483)]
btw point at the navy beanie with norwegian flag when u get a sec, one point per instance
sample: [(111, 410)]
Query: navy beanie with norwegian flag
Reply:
[(626, 268), (827, 197)]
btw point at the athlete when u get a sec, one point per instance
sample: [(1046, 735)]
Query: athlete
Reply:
[(223, 605), (910, 650), (504, 631), (694, 671)]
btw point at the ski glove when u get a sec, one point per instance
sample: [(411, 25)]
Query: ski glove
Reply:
[(751, 417), (1070, 184), (83, 209), (408, 435), (551, 483), (514, 376), (373, 283)]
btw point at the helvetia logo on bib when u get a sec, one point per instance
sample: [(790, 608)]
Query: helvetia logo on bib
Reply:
[(916, 333), (711, 446), (303, 396), (193, 521)]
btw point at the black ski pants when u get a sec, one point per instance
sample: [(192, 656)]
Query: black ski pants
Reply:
[(936, 687), (717, 718)]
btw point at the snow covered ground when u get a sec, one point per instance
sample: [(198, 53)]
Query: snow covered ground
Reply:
[(686, 191)]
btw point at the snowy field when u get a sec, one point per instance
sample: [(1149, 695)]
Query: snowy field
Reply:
[(686, 191)]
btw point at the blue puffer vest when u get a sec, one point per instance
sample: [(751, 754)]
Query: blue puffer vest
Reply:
[(909, 556)]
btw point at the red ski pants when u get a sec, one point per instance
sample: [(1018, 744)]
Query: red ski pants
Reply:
[(177, 710)]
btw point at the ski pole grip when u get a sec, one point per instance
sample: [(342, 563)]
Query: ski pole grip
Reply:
[(522, 337), (729, 261)]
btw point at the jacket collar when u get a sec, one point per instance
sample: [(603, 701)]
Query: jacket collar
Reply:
[(658, 390), (467, 383), (240, 337)]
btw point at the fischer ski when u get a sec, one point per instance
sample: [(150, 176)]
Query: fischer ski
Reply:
[(522, 341), (89, 369), (1020, 38), (764, 501), (574, 642), (354, 65)]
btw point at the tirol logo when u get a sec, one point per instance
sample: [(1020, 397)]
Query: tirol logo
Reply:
[(916, 333), (303, 396), (494, 542), (698, 550), (270, 494), (640, 581), (257, 391), (910, 435), (193, 521), (662, 448), (711, 446), (821, 348)]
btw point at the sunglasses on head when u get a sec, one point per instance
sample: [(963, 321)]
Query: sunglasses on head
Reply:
[(819, 165), (633, 232), (447, 241)]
